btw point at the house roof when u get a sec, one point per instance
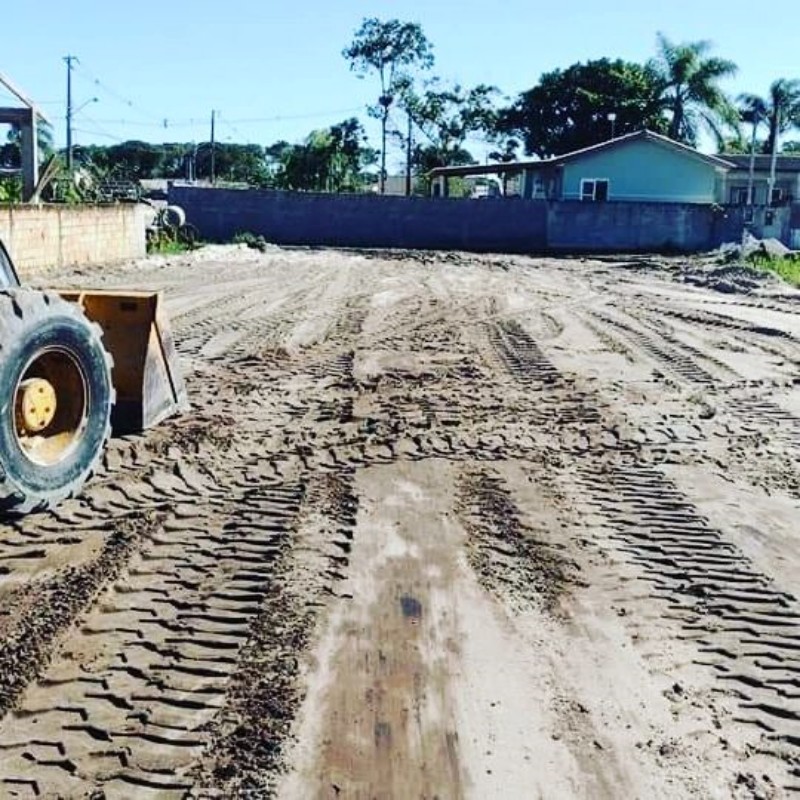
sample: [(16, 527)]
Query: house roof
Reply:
[(719, 162), (784, 163)]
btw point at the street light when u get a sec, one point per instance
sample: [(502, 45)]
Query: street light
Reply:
[(612, 118)]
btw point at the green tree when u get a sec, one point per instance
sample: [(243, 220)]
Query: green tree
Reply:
[(388, 47), (569, 109), (132, 160), (780, 110), (234, 163), (753, 111), (447, 116), (330, 160), (688, 81)]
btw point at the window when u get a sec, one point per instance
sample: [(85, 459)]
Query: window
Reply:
[(739, 195), (538, 188), (776, 197), (594, 189)]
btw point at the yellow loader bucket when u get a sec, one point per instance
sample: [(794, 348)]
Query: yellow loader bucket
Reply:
[(146, 377)]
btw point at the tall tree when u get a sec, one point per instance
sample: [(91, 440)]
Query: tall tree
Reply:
[(448, 115), (388, 47), (780, 109), (689, 89), (569, 109), (753, 111)]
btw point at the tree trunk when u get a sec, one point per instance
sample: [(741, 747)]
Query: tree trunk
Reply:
[(751, 172), (774, 157), (384, 118)]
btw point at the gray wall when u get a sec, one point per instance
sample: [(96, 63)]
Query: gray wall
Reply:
[(510, 225), (305, 218)]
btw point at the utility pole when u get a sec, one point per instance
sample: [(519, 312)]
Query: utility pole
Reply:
[(69, 60), (213, 114), (408, 158)]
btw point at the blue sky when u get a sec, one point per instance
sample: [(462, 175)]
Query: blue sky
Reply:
[(274, 70)]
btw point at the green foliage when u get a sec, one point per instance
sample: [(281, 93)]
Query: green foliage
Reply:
[(447, 116), (688, 89), (135, 160), (166, 246), (169, 240), (330, 160), (11, 189), (251, 240), (786, 267), (676, 94), (735, 145), (386, 47), (391, 48), (780, 110), (568, 109)]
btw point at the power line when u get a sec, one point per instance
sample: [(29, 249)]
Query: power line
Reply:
[(97, 128), (96, 132), (233, 129), (184, 123), (118, 96)]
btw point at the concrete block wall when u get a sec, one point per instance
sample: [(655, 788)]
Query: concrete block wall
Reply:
[(306, 218), (506, 225), (575, 225), (44, 239)]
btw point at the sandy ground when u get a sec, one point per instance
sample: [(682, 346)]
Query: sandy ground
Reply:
[(437, 526)]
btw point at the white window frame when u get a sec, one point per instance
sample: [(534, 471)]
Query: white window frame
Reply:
[(594, 181), (777, 195), (538, 191)]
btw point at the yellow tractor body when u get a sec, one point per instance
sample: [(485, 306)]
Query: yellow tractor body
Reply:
[(137, 334), (74, 365)]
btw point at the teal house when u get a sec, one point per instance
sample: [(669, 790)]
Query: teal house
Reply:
[(640, 167)]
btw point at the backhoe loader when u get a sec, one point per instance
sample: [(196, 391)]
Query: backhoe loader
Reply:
[(73, 366)]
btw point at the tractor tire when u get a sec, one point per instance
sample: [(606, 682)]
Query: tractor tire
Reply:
[(56, 397)]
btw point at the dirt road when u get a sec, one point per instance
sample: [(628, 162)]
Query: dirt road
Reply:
[(440, 526)]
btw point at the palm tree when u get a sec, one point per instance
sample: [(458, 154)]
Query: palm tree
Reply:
[(752, 109), (781, 111), (689, 92)]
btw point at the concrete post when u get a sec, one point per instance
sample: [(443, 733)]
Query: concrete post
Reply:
[(30, 155)]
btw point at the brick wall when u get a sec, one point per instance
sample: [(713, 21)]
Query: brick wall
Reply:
[(43, 239)]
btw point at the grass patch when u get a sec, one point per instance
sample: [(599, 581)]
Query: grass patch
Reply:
[(168, 248), (786, 267), (169, 240), (253, 241)]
